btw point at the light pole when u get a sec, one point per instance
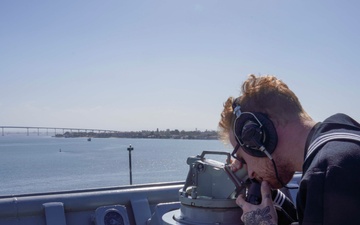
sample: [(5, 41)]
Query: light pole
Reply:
[(130, 148)]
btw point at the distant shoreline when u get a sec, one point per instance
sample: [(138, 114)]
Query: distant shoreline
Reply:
[(168, 134)]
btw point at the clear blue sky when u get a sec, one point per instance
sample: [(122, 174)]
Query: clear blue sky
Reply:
[(148, 64)]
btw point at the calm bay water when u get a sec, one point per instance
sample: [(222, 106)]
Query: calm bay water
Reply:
[(30, 164)]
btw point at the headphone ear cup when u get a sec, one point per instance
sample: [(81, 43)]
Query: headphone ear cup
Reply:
[(266, 135), (270, 132)]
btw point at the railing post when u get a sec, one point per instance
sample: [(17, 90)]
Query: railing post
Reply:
[(130, 148)]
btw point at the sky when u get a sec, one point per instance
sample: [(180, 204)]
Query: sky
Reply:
[(132, 65)]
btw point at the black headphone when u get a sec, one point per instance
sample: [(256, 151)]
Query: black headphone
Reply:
[(255, 132)]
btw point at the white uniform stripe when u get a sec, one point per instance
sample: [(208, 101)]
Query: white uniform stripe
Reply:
[(279, 198), (328, 137)]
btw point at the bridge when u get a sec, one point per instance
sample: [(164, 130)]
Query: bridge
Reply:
[(55, 129)]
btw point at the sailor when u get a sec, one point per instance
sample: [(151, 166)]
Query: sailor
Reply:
[(274, 137)]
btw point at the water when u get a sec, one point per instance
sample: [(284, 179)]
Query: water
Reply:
[(31, 164)]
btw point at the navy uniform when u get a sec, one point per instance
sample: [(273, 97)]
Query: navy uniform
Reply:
[(330, 186)]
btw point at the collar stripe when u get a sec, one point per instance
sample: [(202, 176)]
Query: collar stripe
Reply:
[(328, 137)]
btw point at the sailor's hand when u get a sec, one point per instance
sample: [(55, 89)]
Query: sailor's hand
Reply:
[(264, 213)]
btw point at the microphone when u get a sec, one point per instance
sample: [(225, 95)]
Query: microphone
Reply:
[(254, 193)]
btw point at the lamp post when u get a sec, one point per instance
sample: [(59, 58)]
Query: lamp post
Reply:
[(130, 148)]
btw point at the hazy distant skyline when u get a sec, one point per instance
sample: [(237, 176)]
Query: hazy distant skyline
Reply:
[(147, 65)]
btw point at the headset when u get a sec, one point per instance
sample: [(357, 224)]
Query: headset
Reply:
[(256, 134)]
